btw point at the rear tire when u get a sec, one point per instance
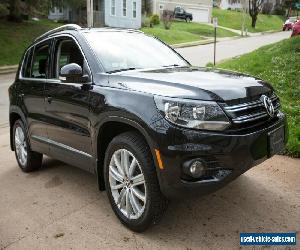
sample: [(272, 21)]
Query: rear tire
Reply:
[(146, 204), (27, 160)]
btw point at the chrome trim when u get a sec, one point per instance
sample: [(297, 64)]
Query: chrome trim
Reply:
[(58, 29), (249, 118), (60, 145), (237, 118), (248, 105), (47, 79)]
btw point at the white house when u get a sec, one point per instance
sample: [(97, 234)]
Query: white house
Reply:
[(201, 9), (112, 13), (268, 5), (123, 13), (233, 4)]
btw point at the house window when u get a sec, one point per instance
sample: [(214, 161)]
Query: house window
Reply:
[(134, 9), (113, 7), (124, 7)]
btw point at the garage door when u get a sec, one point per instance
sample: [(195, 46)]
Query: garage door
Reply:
[(199, 15)]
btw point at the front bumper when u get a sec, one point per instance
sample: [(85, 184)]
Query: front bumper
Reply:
[(227, 155)]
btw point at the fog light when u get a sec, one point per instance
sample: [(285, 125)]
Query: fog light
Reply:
[(197, 169)]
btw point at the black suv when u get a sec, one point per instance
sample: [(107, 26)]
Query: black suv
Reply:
[(125, 106), (180, 13)]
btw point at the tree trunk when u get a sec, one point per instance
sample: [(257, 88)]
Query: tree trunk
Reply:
[(15, 14), (254, 19)]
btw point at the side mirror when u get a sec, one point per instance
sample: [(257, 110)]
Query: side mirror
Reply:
[(73, 73), (71, 70)]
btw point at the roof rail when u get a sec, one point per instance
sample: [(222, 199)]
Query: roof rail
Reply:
[(58, 29)]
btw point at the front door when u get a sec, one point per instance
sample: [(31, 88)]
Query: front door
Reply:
[(67, 109)]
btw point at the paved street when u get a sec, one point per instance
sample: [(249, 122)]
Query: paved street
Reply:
[(60, 207), (201, 55)]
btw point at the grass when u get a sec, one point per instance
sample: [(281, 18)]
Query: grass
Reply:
[(279, 65), (182, 32), (233, 19), (15, 37)]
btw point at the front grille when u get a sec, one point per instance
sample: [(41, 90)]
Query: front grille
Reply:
[(251, 112)]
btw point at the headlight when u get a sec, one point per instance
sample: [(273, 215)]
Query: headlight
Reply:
[(193, 114)]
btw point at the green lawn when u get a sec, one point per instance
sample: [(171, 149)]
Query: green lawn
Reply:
[(233, 19), (15, 37), (182, 32), (279, 65)]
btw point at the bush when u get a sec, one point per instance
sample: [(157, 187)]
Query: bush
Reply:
[(3, 11), (279, 10), (146, 22), (154, 20)]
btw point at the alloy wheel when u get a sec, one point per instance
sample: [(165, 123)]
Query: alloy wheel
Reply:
[(21, 146), (127, 184)]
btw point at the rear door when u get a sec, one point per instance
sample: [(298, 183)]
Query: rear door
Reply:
[(33, 75), (67, 108)]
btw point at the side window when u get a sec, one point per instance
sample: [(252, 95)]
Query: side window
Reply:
[(40, 60), (26, 67), (67, 51)]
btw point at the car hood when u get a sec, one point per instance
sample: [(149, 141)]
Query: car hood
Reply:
[(192, 83)]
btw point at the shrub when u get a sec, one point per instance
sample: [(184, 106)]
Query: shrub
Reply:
[(154, 20), (167, 17), (146, 22), (279, 10)]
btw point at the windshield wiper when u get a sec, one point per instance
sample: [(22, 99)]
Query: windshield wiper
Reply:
[(120, 70), (172, 65)]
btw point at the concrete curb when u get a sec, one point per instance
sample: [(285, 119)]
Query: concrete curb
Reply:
[(203, 42), (191, 44), (9, 69)]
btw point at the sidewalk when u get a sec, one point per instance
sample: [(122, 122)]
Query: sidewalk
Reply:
[(8, 69), (238, 32)]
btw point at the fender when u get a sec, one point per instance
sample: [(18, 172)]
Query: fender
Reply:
[(13, 109), (135, 125)]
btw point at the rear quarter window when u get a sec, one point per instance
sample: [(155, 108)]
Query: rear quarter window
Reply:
[(26, 67)]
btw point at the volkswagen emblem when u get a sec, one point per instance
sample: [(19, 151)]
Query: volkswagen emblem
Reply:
[(268, 105)]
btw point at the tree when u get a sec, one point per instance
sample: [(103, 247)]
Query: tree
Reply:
[(289, 5), (146, 7), (20, 8), (255, 7), (15, 13)]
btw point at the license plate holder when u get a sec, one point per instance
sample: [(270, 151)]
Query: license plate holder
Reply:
[(276, 139)]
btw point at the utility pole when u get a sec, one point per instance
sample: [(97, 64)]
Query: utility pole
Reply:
[(90, 13), (215, 23)]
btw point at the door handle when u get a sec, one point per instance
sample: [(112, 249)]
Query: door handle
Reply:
[(49, 99)]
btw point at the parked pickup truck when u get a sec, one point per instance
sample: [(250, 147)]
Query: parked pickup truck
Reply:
[(180, 13)]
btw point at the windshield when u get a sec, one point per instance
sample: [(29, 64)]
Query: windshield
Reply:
[(119, 51)]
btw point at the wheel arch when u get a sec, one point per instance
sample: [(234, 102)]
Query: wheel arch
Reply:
[(15, 114), (110, 128)]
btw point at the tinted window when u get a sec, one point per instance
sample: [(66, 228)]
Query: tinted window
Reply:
[(67, 51), (123, 50), (26, 68), (40, 61)]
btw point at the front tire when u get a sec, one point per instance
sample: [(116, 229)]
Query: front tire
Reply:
[(131, 182), (27, 160)]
